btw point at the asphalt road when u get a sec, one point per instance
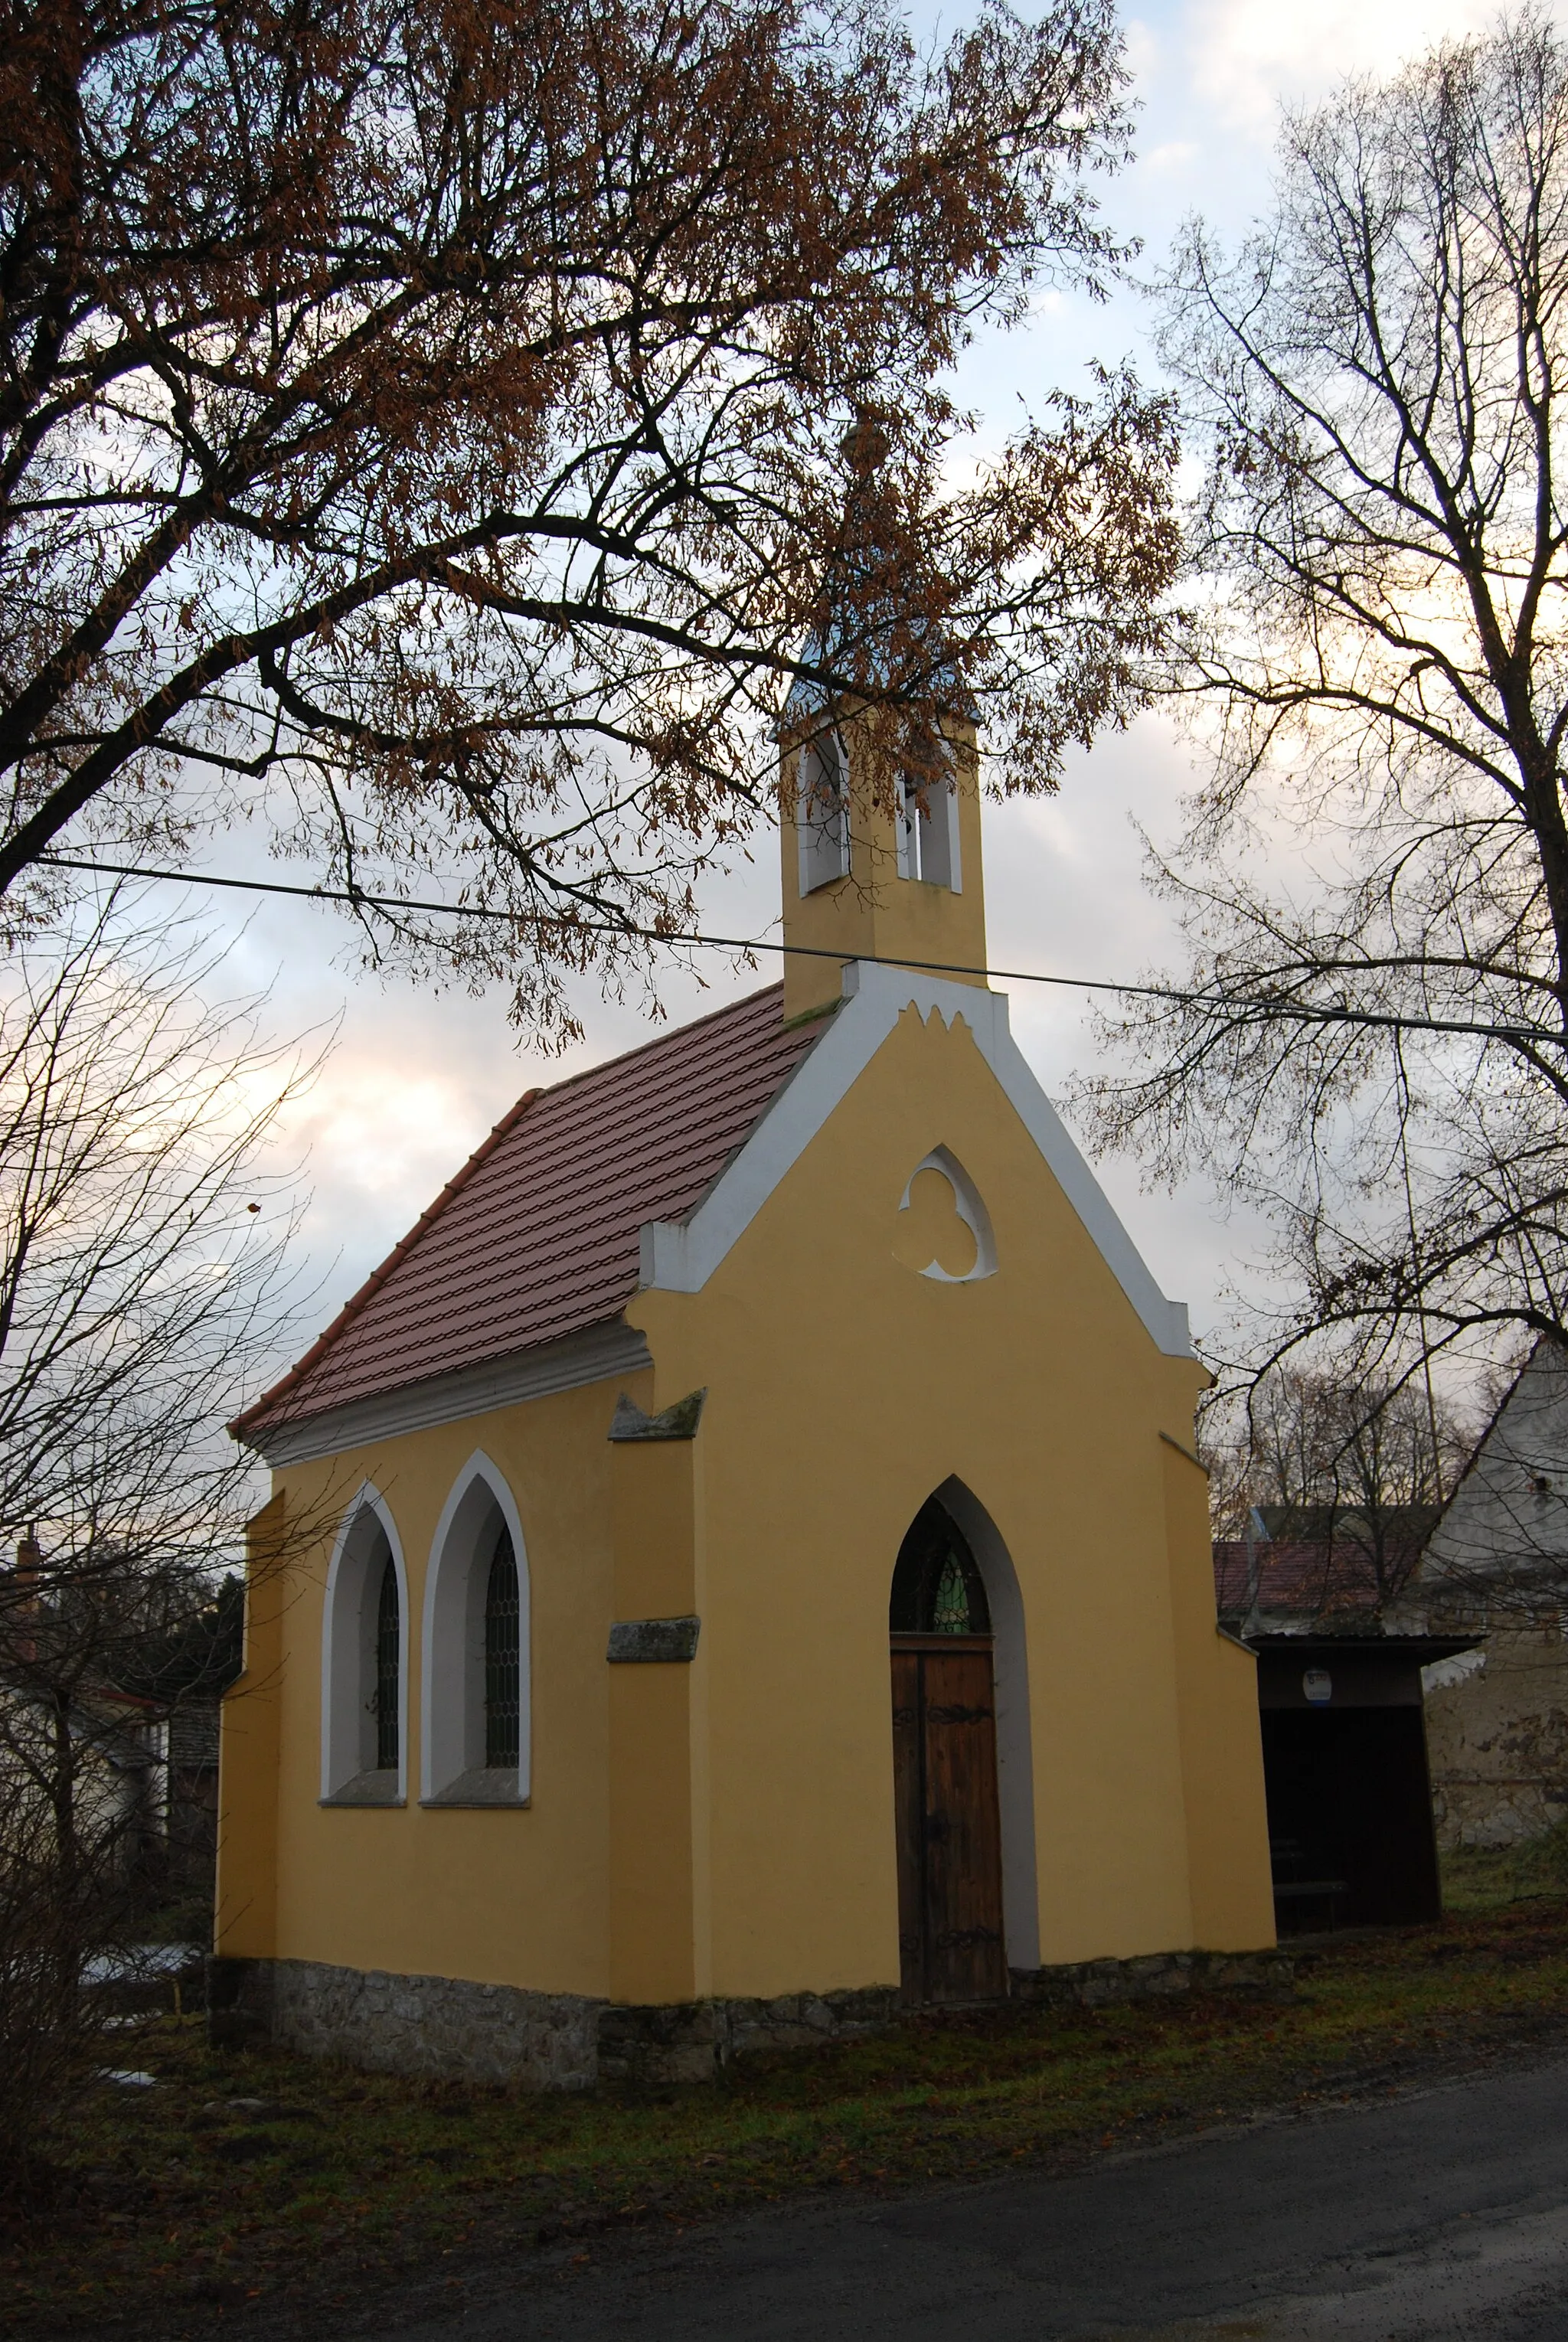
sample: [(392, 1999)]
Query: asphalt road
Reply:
[(1439, 2214)]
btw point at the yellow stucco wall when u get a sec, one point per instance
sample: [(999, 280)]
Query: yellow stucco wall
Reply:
[(727, 1826), (508, 1895)]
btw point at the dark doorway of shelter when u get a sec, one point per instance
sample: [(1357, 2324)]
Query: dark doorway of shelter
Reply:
[(950, 1934), (1349, 1818)]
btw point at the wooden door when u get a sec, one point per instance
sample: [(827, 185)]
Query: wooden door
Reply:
[(950, 1934)]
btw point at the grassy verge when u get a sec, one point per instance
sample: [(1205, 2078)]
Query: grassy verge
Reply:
[(237, 2184), (1479, 1878)]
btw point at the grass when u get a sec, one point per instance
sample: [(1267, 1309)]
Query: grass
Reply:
[(242, 2184), (1479, 1878)]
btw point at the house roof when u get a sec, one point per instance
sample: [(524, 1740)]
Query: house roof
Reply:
[(1306, 1577), (1409, 1524), (537, 1235)]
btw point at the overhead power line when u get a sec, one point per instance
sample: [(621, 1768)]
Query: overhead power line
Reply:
[(357, 899)]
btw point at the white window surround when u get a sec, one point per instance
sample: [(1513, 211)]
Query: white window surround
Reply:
[(971, 1208), (1015, 1737), (349, 1775), (821, 812), (452, 1771), (680, 1255)]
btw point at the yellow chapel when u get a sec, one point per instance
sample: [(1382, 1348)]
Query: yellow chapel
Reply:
[(740, 1566)]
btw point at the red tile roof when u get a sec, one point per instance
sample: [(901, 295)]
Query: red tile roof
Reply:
[(1312, 1580), (536, 1236)]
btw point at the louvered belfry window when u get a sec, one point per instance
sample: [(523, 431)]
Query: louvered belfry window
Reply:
[(503, 1656), (388, 1653)]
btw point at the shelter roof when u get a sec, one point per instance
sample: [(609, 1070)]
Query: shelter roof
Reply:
[(537, 1237)]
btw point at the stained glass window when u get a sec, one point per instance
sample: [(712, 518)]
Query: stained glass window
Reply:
[(502, 1658), (950, 1612), (388, 1654), (937, 1587)]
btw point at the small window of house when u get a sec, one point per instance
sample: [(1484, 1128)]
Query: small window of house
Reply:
[(364, 1662), (822, 812), (475, 1703)]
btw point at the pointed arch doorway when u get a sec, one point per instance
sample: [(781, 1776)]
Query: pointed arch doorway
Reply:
[(951, 1933)]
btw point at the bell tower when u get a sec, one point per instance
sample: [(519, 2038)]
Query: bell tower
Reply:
[(891, 874)]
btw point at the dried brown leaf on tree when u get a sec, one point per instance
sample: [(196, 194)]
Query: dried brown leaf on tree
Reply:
[(429, 431)]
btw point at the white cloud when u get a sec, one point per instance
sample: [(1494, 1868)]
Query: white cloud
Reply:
[(1245, 56), (1174, 156)]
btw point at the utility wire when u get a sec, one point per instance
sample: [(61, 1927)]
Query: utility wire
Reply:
[(356, 898)]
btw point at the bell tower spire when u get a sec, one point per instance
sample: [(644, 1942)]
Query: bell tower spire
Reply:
[(889, 873)]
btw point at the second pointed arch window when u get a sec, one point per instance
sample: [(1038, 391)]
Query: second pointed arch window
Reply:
[(475, 1642), (388, 1668), (503, 1656)]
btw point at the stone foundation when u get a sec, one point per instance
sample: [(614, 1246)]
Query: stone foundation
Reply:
[(1096, 1983), (691, 2041), (439, 2026), (445, 2027)]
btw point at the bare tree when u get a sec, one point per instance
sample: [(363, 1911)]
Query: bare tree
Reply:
[(1358, 1467), (143, 1290), (443, 431), (1372, 1040)]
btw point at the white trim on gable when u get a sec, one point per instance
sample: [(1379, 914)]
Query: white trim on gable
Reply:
[(680, 1255)]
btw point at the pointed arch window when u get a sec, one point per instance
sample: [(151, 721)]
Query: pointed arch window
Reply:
[(937, 1588), (365, 1660), (503, 1656), (388, 1666), (473, 1712)]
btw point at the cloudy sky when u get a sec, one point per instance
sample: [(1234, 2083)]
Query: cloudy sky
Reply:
[(418, 1077)]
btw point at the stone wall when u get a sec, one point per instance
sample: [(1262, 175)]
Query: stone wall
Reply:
[(444, 2027), (1096, 1983), (439, 2026), (689, 2043), (1497, 1738)]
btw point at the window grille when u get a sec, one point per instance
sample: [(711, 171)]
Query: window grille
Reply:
[(502, 1658), (388, 1654)]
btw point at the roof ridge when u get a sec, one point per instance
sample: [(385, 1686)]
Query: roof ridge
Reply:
[(400, 1251), (657, 1041)]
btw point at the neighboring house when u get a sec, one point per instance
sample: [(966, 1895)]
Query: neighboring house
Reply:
[(1340, 1694), (142, 1757), (106, 1773), (186, 1676), (693, 1608), (1497, 1561)]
